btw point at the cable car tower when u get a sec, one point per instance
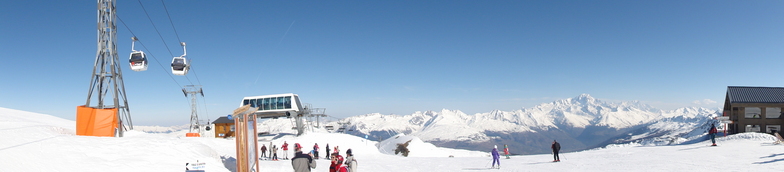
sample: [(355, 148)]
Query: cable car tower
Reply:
[(106, 83), (192, 90)]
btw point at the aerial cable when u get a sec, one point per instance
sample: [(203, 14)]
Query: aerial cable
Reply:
[(178, 39), (156, 28), (150, 53), (159, 33), (170, 21)]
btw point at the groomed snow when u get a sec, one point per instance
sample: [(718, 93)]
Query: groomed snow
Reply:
[(39, 142)]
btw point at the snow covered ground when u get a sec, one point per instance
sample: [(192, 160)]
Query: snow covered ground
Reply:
[(39, 142)]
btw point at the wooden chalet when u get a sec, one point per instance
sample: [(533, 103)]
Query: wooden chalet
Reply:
[(754, 109)]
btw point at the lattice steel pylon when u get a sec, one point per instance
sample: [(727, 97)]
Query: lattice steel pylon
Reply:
[(107, 77), (192, 90)]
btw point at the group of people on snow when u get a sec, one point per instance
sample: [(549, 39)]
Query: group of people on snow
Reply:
[(556, 147), (304, 162), (272, 152)]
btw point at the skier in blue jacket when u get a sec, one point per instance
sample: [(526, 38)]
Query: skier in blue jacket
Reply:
[(496, 157)]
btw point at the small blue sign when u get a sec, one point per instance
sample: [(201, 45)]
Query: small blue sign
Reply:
[(365, 136), (229, 117)]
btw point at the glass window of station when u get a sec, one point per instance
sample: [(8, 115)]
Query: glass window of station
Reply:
[(270, 103)]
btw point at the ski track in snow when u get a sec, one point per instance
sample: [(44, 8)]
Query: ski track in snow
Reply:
[(39, 142)]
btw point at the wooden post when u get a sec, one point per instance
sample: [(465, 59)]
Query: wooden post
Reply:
[(243, 116)]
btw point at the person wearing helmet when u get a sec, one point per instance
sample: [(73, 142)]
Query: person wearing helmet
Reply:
[(339, 167), (302, 162), (496, 159)]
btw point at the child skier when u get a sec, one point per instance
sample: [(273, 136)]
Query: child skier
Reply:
[(506, 151), (496, 157)]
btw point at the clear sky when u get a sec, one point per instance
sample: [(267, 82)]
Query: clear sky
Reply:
[(395, 57)]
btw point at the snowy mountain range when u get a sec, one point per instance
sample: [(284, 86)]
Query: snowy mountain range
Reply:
[(578, 123)]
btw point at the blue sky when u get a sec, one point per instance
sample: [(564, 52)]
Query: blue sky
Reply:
[(395, 57)]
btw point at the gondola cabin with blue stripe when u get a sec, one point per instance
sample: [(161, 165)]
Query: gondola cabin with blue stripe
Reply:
[(276, 105)]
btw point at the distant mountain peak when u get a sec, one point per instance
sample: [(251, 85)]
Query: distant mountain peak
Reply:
[(584, 99)]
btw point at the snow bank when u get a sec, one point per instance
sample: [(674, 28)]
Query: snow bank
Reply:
[(419, 148)]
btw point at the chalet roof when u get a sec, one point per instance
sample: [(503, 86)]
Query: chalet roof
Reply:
[(742, 94), (222, 120)]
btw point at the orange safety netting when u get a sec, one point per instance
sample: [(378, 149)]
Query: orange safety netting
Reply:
[(95, 122)]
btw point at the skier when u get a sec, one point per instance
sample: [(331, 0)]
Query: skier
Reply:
[(274, 152), (285, 147), (506, 151), (556, 147), (337, 151), (263, 150), (327, 152), (302, 162), (270, 151), (350, 161), (496, 157), (712, 132), (315, 151)]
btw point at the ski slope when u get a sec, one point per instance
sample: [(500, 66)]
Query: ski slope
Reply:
[(39, 142)]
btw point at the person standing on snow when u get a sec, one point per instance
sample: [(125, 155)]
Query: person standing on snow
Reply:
[(302, 162), (274, 152), (496, 157), (315, 151), (270, 151), (263, 150), (556, 147), (350, 161), (506, 151), (327, 152), (285, 147), (712, 132)]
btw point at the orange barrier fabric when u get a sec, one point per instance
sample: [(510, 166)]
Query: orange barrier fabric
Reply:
[(95, 122), (192, 135)]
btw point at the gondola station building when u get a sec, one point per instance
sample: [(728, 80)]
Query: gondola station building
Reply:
[(754, 109)]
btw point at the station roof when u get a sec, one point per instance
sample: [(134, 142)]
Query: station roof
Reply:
[(222, 120), (744, 94)]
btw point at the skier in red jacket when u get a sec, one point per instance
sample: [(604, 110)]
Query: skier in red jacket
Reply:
[(712, 134)]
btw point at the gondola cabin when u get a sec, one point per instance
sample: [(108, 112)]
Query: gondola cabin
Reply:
[(138, 61), (180, 66)]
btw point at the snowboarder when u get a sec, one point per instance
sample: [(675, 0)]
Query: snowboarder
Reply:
[(285, 147), (712, 132), (556, 147), (302, 162), (506, 151), (496, 157), (350, 161), (263, 150), (274, 152), (315, 151)]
